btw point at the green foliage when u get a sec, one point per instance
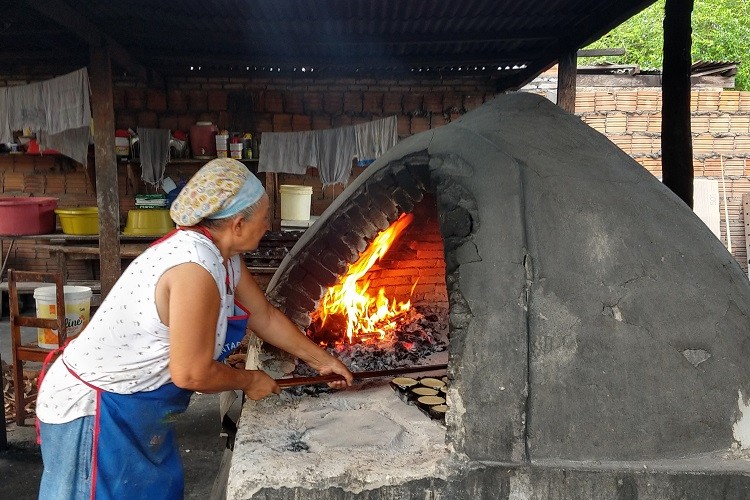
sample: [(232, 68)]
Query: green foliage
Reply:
[(721, 32)]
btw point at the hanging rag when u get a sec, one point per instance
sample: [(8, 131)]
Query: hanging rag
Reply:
[(154, 151), (6, 134), (375, 138), (26, 107), (288, 152), (67, 102), (58, 109), (73, 143), (336, 150)]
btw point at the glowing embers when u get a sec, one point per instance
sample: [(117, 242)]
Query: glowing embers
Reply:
[(349, 312)]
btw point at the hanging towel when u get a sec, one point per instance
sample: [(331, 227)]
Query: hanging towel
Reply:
[(375, 138), (73, 143), (154, 150), (67, 102), (336, 150), (6, 134), (26, 107), (288, 152)]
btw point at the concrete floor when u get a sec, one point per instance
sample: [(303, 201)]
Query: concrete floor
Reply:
[(201, 446)]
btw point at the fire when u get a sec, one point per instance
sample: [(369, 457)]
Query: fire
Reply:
[(366, 315)]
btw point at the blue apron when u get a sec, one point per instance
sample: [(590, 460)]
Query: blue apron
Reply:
[(135, 454)]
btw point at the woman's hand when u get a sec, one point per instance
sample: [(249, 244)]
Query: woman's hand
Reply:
[(260, 385), (330, 365)]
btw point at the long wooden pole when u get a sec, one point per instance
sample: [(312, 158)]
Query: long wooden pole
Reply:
[(567, 67), (323, 379), (107, 196), (676, 140)]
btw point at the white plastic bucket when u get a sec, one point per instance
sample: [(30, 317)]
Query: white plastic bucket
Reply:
[(77, 311), (295, 202)]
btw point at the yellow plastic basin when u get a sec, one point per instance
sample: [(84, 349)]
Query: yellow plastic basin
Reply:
[(80, 220), (148, 222)]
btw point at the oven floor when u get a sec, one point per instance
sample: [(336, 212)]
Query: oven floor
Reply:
[(358, 439)]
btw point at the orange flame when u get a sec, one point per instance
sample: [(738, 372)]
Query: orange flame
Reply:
[(366, 315)]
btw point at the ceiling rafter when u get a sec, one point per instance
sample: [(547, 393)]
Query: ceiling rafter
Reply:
[(61, 13)]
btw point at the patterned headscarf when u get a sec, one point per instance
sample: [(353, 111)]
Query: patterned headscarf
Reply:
[(221, 188)]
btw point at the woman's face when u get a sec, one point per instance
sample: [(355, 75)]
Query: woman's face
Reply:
[(253, 229)]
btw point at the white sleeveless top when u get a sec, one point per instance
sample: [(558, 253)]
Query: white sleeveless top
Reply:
[(125, 347)]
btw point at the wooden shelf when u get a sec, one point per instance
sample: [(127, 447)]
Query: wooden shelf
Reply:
[(186, 161)]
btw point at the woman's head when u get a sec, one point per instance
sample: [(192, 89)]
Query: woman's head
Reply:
[(221, 189), (222, 193)]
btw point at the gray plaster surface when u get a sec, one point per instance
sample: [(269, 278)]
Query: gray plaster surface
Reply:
[(594, 317), (358, 439)]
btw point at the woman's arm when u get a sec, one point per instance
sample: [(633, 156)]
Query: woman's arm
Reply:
[(188, 303), (273, 327)]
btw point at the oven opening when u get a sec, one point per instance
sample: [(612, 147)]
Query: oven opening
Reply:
[(390, 307)]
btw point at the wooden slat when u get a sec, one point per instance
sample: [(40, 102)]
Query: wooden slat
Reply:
[(33, 353), (33, 321), (746, 214)]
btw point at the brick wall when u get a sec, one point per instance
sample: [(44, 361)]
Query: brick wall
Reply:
[(721, 140), (629, 117), (415, 261), (257, 105)]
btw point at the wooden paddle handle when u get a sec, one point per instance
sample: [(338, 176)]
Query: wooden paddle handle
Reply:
[(323, 379)]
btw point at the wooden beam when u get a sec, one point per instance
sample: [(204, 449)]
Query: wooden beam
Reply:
[(676, 140), (281, 59), (255, 41), (566, 81), (107, 196), (600, 52), (59, 12)]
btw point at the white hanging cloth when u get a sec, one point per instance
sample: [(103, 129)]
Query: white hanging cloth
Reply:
[(59, 109), (330, 151), (6, 134), (67, 101)]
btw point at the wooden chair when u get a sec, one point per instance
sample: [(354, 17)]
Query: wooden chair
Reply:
[(31, 352)]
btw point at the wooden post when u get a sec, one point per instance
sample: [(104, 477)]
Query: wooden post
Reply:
[(272, 188), (566, 81), (3, 430), (676, 140), (107, 196)]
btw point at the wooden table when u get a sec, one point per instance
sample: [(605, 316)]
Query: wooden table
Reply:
[(61, 239), (64, 252)]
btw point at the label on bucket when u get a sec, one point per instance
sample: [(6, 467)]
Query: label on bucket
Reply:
[(77, 312), (76, 317)]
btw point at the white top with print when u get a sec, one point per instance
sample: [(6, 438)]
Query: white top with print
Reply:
[(125, 347)]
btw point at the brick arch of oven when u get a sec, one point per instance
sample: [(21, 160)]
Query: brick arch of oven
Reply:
[(394, 189)]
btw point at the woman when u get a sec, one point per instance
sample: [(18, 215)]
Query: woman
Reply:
[(105, 406)]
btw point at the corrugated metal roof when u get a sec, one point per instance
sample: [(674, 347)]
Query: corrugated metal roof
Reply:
[(512, 39)]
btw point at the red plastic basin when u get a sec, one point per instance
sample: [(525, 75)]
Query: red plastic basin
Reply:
[(21, 216)]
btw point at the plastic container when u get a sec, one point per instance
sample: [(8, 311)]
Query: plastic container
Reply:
[(222, 141), (20, 216), (203, 140), (235, 150), (81, 220), (295, 202), (122, 143), (148, 222), (77, 311)]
